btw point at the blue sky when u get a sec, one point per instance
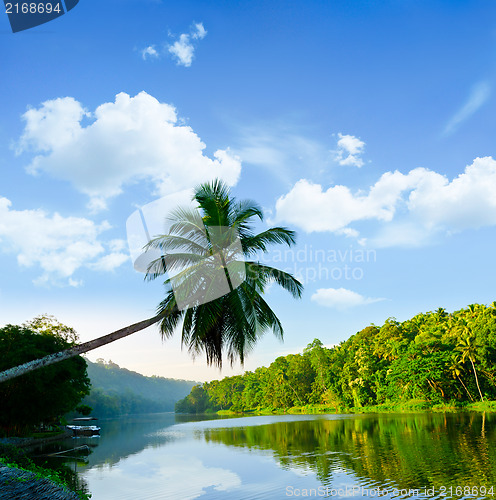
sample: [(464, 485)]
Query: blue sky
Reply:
[(368, 127)]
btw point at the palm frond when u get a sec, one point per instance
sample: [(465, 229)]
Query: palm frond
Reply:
[(241, 326), (241, 217), (172, 315), (214, 202), (272, 236), (265, 274), (170, 242)]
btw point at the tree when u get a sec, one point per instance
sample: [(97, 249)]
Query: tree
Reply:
[(456, 369), (467, 349), (235, 321), (229, 324), (319, 360), (46, 395), (195, 402), (48, 324)]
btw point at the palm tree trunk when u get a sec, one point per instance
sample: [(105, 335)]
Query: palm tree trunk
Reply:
[(476, 378), (470, 395), (16, 371), (293, 389)]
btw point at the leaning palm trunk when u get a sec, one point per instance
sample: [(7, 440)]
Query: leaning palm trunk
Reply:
[(476, 378), (17, 371), (464, 386)]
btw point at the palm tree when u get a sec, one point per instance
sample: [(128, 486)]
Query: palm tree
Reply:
[(233, 322), (466, 348), (440, 313), (200, 247), (456, 369)]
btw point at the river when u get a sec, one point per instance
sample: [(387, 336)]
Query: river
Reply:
[(164, 456)]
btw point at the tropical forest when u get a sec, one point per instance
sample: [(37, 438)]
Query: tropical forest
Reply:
[(433, 359)]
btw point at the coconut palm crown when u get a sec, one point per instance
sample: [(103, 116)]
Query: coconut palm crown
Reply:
[(229, 324)]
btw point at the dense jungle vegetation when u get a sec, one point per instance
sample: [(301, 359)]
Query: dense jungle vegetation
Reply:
[(433, 358)]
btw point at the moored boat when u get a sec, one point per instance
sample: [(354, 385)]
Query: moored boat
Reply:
[(84, 430)]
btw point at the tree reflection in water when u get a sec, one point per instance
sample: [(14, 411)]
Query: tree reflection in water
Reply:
[(408, 451)]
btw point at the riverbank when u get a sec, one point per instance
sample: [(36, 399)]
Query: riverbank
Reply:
[(25, 442), (413, 406), (21, 478), (26, 485)]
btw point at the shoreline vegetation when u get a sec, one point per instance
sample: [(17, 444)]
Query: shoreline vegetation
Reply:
[(20, 483), (435, 361), (407, 407), (20, 477)]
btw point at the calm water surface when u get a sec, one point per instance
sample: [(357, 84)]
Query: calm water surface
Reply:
[(164, 456)]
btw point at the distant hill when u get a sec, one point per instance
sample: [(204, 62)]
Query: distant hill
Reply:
[(117, 391)]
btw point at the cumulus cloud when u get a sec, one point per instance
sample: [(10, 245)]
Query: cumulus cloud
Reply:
[(56, 124), (131, 139), (412, 207), (340, 298), (199, 32), (58, 245), (183, 50), (478, 96), (349, 150), (149, 52), (313, 209)]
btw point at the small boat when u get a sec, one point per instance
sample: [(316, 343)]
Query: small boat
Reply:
[(84, 430)]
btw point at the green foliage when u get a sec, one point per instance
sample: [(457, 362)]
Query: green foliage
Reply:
[(84, 410), (117, 391), (195, 402), (12, 456), (233, 323), (40, 397), (432, 360), (49, 325)]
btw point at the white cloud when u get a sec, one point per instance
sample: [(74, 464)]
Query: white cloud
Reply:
[(478, 96), (199, 33), (117, 245), (412, 207), (131, 139), (183, 49), (109, 262), (58, 245), (149, 52), (340, 298), (74, 283), (350, 150), (313, 209), (55, 125)]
